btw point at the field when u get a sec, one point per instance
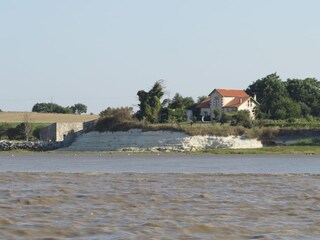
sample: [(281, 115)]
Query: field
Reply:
[(18, 117)]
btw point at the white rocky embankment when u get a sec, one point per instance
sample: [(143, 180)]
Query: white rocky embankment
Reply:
[(137, 140)]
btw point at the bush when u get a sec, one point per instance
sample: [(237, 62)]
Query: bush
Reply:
[(111, 118), (241, 118), (13, 131), (226, 117), (177, 115), (14, 134)]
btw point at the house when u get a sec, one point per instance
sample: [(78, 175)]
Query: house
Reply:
[(226, 100), (204, 107)]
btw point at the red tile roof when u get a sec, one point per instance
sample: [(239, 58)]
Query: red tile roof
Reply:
[(236, 102), (204, 104), (231, 93)]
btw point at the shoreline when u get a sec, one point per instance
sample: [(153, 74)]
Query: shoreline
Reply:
[(303, 150)]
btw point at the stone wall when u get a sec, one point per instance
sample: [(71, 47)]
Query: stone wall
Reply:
[(59, 131), (137, 140)]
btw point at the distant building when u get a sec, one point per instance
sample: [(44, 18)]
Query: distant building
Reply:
[(227, 100), (59, 131), (204, 107)]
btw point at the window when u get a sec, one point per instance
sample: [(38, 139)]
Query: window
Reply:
[(217, 102)]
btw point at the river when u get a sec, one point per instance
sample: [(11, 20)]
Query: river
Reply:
[(159, 163), (159, 196)]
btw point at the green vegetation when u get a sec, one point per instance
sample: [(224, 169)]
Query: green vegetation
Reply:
[(21, 131), (55, 108), (115, 119), (307, 142), (284, 108), (268, 150), (307, 150), (295, 98), (150, 104)]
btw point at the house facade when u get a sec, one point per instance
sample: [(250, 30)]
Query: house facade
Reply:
[(226, 100), (204, 107)]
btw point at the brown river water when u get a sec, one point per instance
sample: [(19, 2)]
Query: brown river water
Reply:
[(159, 206)]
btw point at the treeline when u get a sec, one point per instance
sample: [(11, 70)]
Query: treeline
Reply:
[(277, 101), (154, 109), (294, 98), (77, 108)]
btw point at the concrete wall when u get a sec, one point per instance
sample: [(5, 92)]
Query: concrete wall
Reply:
[(65, 129), (48, 134), (59, 131)]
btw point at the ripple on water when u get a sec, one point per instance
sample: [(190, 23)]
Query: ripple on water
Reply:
[(155, 206)]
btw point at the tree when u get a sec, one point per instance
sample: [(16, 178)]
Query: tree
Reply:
[(150, 104), (179, 101), (177, 108), (285, 107), (55, 108), (306, 93), (42, 107), (26, 126), (79, 108), (201, 99), (267, 91)]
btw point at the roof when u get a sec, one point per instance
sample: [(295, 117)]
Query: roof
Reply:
[(230, 92), (236, 102), (204, 104)]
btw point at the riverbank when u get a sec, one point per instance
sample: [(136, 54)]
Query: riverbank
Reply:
[(6, 145), (137, 140)]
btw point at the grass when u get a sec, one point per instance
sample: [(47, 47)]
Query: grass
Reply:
[(195, 129), (268, 150), (18, 117), (14, 124), (190, 129), (307, 150), (307, 142)]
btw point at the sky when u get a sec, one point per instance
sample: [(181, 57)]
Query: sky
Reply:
[(102, 52)]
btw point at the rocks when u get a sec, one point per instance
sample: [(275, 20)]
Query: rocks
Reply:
[(33, 146)]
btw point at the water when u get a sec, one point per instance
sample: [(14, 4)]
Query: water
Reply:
[(166, 196), (160, 163)]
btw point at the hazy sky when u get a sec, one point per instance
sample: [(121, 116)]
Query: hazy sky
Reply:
[(101, 53)]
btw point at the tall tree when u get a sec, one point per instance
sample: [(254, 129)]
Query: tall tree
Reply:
[(268, 90), (179, 101), (150, 102), (26, 129)]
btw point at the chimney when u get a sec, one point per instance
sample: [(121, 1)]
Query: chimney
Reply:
[(254, 96)]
